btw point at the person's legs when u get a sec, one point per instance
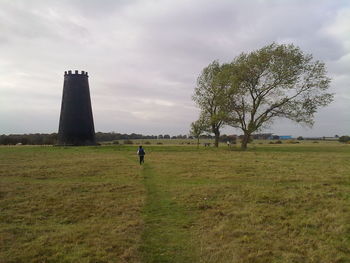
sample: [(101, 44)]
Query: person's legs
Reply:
[(141, 159)]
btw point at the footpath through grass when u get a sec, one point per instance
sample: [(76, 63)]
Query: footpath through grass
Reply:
[(165, 237)]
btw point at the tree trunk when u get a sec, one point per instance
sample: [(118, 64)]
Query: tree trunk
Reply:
[(198, 142), (245, 141), (217, 136)]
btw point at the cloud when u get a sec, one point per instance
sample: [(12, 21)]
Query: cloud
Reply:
[(144, 57)]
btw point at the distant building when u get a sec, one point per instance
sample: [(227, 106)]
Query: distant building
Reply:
[(285, 137)]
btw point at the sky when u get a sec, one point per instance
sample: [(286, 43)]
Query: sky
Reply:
[(144, 57)]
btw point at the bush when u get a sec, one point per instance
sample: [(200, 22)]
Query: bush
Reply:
[(115, 142), (344, 139), (315, 142), (159, 143), (278, 142), (147, 142), (300, 138), (128, 142), (292, 141)]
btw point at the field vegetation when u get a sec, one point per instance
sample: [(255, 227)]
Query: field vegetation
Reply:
[(273, 203)]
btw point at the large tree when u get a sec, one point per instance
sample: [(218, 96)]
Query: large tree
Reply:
[(276, 81), (211, 96)]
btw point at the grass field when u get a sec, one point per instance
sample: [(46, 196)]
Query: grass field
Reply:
[(272, 203)]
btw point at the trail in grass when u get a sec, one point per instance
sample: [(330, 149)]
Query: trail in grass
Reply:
[(166, 236)]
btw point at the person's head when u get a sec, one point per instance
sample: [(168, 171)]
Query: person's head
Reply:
[(140, 147)]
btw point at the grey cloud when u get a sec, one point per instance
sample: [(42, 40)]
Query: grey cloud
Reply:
[(144, 57)]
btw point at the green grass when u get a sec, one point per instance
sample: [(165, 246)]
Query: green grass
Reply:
[(165, 237), (69, 205), (272, 203)]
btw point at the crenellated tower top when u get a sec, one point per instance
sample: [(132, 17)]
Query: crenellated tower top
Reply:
[(76, 72)]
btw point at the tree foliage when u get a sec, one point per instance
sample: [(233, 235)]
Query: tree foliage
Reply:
[(276, 81), (211, 96)]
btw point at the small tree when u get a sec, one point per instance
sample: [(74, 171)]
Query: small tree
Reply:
[(276, 81), (197, 129), (211, 96)]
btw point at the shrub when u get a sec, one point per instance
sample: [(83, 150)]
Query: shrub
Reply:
[(315, 142), (278, 142), (147, 142), (159, 143), (344, 139), (115, 142), (128, 142)]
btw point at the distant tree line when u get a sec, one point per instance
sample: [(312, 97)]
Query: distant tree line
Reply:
[(29, 139), (112, 136), (51, 138)]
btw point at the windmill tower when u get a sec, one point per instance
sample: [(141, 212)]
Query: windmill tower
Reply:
[(76, 126)]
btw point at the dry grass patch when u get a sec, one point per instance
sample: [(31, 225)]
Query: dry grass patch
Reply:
[(69, 205), (264, 206)]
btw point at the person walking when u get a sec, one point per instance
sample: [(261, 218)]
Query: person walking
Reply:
[(141, 153)]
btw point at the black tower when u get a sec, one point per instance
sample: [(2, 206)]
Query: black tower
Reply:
[(76, 121)]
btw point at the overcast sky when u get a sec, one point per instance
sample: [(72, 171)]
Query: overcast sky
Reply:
[(143, 57)]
